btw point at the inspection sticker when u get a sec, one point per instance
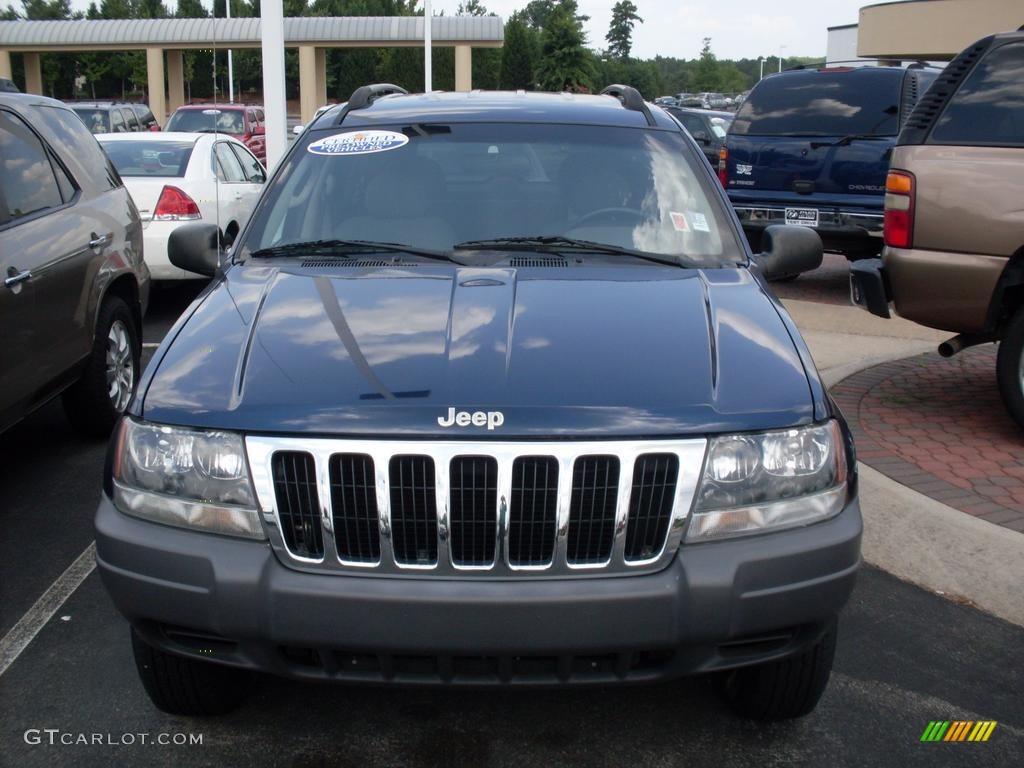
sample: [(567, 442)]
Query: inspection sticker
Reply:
[(678, 221), (358, 143), (700, 222)]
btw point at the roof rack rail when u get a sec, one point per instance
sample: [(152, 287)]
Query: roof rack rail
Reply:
[(365, 95), (631, 99)]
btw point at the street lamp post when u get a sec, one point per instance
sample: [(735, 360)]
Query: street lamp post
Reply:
[(761, 74), (231, 70), (781, 49), (428, 43)]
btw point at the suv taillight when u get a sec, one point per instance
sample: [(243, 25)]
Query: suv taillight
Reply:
[(723, 166), (175, 205), (898, 226)]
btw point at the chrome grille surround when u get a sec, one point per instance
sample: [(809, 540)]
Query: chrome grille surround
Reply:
[(690, 452)]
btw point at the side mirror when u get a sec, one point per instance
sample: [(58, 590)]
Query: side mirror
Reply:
[(194, 248), (258, 130), (701, 137), (788, 251)]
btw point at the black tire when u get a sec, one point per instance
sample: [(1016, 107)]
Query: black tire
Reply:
[(784, 689), (1010, 367), (182, 686), (88, 402)]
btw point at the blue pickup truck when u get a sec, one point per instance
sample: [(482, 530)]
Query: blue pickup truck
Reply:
[(811, 148)]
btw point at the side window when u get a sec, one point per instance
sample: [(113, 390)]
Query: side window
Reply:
[(253, 122), (260, 116), (988, 108), (231, 168), (28, 180), (117, 122), (131, 120), (250, 165), (77, 148), (693, 124)]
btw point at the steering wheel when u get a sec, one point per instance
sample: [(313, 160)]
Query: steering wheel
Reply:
[(611, 213)]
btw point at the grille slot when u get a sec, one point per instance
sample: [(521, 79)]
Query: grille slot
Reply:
[(533, 513), (413, 510), (595, 489), (650, 504), (354, 507), (298, 503), (474, 509), (538, 261)]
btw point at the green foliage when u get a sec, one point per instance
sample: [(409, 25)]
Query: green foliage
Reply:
[(519, 55), (620, 31), (565, 63)]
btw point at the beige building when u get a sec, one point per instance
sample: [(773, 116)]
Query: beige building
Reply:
[(164, 40), (932, 29)]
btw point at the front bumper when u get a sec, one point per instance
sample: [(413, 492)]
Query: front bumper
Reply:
[(717, 605)]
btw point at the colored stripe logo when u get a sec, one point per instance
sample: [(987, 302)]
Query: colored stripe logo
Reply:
[(958, 730)]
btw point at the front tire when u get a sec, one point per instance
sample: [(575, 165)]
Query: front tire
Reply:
[(95, 402), (783, 689), (1010, 367), (182, 686)]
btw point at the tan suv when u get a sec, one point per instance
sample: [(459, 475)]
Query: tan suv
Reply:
[(954, 212)]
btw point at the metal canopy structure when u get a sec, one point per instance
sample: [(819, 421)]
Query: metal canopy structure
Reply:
[(165, 39), (321, 31)]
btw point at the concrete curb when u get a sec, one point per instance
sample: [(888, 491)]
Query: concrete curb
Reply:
[(930, 544)]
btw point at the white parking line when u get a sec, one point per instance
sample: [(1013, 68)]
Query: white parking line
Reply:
[(28, 626)]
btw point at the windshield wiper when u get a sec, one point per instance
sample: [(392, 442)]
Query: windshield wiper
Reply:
[(347, 248), (843, 141), (560, 244)]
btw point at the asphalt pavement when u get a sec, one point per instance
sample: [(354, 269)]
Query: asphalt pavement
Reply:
[(905, 657)]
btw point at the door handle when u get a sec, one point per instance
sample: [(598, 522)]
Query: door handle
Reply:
[(17, 277), (98, 241)]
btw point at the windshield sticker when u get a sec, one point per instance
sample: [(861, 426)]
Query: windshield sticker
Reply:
[(700, 222), (358, 143), (678, 221)]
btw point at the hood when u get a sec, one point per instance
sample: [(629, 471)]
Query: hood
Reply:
[(590, 351)]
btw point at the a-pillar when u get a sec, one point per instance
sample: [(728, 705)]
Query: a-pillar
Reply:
[(5, 64), (33, 74), (175, 81), (312, 80), (463, 68), (155, 78)]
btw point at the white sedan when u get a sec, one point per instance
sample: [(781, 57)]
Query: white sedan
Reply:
[(179, 177)]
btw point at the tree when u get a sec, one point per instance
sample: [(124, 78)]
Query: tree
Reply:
[(565, 63), (620, 31), (707, 78), (518, 59)]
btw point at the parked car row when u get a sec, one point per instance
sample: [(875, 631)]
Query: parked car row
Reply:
[(115, 116)]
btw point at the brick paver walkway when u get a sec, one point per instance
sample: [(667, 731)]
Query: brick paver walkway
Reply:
[(940, 427)]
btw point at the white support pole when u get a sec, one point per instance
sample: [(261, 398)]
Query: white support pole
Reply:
[(272, 31), (428, 47), (231, 69)]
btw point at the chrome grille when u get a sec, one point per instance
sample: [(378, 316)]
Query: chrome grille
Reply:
[(354, 507), (533, 513), (475, 509)]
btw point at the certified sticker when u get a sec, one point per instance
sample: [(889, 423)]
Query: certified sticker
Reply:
[(358, 143), (700, 221), (678, 221)]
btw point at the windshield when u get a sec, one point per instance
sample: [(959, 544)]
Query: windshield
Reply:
[(149, 158), (437, 186), (97, 120), (822, 104), (207, 120)]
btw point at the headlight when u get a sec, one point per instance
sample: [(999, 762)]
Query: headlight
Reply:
[(184, 477), (755, 483)]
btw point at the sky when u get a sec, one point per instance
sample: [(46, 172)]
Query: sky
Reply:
[(737, 28)]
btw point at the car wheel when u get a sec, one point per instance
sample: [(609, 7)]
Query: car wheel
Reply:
[(782, 689), (94, 403), (182, 686), (1010, 367)]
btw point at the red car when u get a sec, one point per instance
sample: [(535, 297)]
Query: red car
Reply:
[(241, 121)]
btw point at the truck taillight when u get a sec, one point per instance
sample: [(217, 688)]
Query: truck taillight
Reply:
[(723, 166), (898, 224), (175, 205)]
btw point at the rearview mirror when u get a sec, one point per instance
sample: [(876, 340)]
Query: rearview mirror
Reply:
[(788, 251), (194, 248)]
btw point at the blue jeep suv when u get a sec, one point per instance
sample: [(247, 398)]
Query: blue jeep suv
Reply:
[(489, 391), (811, 148)]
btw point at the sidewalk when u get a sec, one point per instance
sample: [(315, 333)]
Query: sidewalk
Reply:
[(941, 463)]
